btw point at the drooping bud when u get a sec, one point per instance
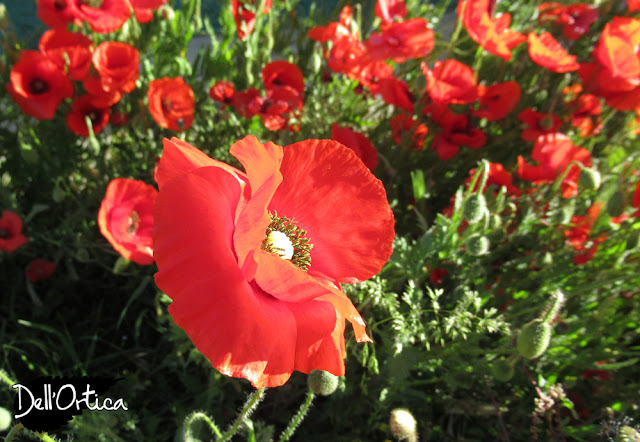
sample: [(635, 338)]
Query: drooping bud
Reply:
[(589, 179), (495, 221), (322, 382), (478, 245), (403, 425), (615, 205), (474, 208), (534, 338)]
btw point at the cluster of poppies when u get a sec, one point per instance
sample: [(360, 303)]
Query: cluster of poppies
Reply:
[(42, 80)]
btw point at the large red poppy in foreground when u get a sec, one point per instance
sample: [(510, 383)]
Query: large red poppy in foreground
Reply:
[(253, 261)]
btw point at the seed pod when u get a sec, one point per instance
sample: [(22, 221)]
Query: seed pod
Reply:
[(502, 370), (474, 208), (615, 205), (534, 339), (403, 424), (589, 179), (322, 382), (478, 245)]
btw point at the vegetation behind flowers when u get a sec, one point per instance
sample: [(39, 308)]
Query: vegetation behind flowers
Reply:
[(505, 137)]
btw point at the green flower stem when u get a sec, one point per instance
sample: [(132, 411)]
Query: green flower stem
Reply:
[(246, 411), (198, 415), (297, 419), (6, 379)]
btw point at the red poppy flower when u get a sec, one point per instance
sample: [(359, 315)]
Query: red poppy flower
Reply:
[(348, 55), (171, 103), (451, 82), (437, 275), (70, 50), (99, 97), (276, 107), (404, 124), (107, 15), (118, 66), (11, 237), (401, 41), (144, 8), (83, 107), (616, 50), (388, 10), (577, 236), (126, 218), (223, 91), (633, 5), (394, 92), (547, 52), (243, 12), (38, 85), (498, 100), (456, 132), (237, 274), (575, 19), (243, 102), (583, 110), (538, 123), (358, 143), (119, 118), (55, 13), (282, 73), (554, 152), (493, 35), (39, 269), (335, 30)]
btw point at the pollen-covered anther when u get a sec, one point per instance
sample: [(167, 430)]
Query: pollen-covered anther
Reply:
[(287, 240)]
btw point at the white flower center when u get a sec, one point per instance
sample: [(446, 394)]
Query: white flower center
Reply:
[(280, 244)]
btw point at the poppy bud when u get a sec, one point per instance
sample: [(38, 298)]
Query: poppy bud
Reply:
[(495, 221), (534, 339), (167, 12), (322, 382), (502, 370), (628, 434), (474, 208), (478, 245), (4, 17), (58, 194), (403, 425), (545, 260), (615, 205), (120, 265), (589, 179), (5, 419)]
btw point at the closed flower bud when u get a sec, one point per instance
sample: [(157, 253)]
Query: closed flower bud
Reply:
[(589, 179), (615, 205), (534, 339), (478, 245), (474, 208), (495, 221), (5, 419), (628, 434), (403, 425), (632, 242), (322, 382), (545, 260), (502, 370)]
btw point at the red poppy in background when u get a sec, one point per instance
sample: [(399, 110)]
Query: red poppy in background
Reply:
[(401, 41), (255, 278), (99, 97), (394, 92), (496, 101), (38, 85), (70, 50), (83, 107), (282, 73), (171, 103), (126, 218), (223, 91), (451, 82), (585, 114), (144, 8), (56, 14), (547, 52), (616, 49), (498, 177), (578, 234), (538, 123), (118, 66), (633, 5), (402, 124), (388, 10), (244, 15), (335, 30), (575, 19), (358, 143), (108, 15), (456, 132), (554, 152), (39, 269), (11, 237), (493, 35)]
